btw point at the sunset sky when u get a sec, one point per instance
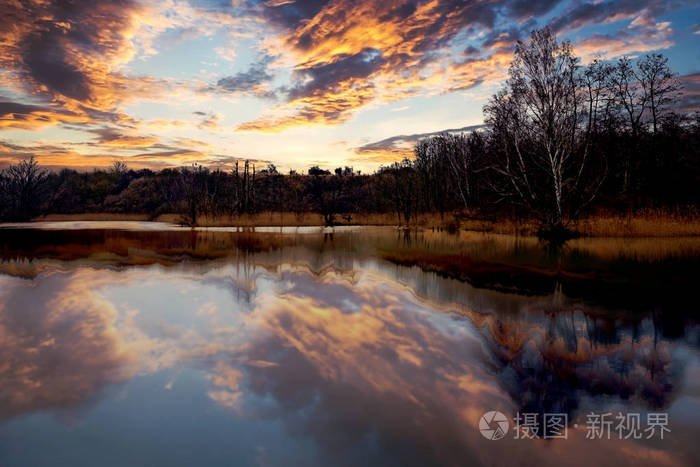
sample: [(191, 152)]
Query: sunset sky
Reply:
[(295, 83)]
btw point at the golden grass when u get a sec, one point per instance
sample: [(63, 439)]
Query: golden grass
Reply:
[(502, 226), (650, 223), (647, 223)]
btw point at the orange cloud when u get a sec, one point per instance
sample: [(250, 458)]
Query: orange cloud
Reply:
[(72, 53), (31, 117), (323, 107), (131, 141), (351, 54), (154, 156), (388, 156), (347, 55)]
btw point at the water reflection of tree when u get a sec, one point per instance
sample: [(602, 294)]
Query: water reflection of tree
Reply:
[(548, 362), (550, 352)]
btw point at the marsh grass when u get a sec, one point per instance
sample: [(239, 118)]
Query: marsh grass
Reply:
[(647, 223)]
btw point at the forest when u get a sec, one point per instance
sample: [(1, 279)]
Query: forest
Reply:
[(560, 140)]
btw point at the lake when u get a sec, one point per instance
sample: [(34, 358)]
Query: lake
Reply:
[(148, 344)]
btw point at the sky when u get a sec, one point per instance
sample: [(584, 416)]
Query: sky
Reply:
[(157, 84)]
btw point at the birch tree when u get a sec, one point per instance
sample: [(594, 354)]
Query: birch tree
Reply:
[(535, 119)]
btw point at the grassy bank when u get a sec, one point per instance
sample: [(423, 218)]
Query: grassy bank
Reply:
[(644, 224)]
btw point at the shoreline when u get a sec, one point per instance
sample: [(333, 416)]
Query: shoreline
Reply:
[(650, 224)]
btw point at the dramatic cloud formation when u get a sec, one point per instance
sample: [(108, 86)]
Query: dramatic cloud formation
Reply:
[(70, 50), (136, 72), (31, 117), (350, 54)]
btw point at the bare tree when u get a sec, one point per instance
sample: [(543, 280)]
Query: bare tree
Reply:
[(401, 184), (537, 114), (328, 192), (598, 95), (447, 163), (642, 93), (5, 199), (23, 185), (660, 82), (631, 93), (193, 182), (119, 168)]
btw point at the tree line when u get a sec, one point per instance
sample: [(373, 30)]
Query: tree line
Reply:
[(560, 140)]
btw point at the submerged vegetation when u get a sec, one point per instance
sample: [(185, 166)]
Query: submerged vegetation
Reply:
[(601, 149)]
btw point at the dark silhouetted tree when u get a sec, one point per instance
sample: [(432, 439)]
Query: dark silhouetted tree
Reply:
[(23, 189), (535, 129)]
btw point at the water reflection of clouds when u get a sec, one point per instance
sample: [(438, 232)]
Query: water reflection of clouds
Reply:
[(376, 381), (351, 359), (68, 334), (59, 344)]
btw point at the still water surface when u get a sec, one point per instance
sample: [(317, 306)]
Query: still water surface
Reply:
[(151, 345)]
